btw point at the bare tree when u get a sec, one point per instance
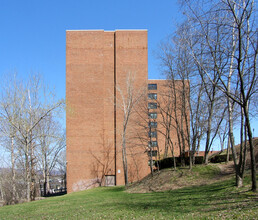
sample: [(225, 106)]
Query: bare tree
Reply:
[(228, 32), (126, 100), (167, 123), (104, 159), (8, 133), (185, 90), (32, 103), (144, 126), (61, 166), (51, 140)]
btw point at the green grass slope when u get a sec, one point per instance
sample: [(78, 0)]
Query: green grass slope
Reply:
[(218, 200), (170, 179)]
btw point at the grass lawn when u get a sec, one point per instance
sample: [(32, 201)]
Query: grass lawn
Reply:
[(220, 200)]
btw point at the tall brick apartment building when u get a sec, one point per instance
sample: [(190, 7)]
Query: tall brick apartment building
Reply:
[(97, 64)]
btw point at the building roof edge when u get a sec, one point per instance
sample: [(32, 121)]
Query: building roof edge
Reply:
[(109, 30)]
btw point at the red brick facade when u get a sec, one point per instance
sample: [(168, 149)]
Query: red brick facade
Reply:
[(97, 64)]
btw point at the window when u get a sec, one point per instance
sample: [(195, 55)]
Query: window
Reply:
[(153, 115), (152, 86), (152, 124), (153, 144), (154, 153), (153, 134), (152, 96), (152, 105)]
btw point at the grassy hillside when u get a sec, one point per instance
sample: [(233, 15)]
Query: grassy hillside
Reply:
[(218, 200), (168, 179)]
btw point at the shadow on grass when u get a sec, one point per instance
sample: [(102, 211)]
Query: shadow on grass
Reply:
[(113, 189), (208, 198)]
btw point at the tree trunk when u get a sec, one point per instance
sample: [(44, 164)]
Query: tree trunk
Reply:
[(232, 143), (44, 185), (27, 170), (124, 161), (151, 161), (190, 160), (47, 182), (241, 162), (182, 157), (33, 184), (166, 143), (173, 155), (2, 191), (228, 148), (33, 175), (206, 158), (239, 180), (182, 139), (181, 149), (13, 172), (244, 152), (253, 164), (194, 148), (46, 176), (208, 134), (239, 177)]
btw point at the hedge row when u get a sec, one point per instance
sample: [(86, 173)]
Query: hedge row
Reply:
[(220, 158), (169, 162)]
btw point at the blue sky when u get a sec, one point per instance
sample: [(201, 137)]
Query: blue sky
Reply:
[(33, 31)]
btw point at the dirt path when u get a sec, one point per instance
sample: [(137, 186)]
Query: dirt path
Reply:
[(227, 169)]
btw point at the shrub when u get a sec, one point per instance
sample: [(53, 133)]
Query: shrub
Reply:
[(220, 158), (169, 162)]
